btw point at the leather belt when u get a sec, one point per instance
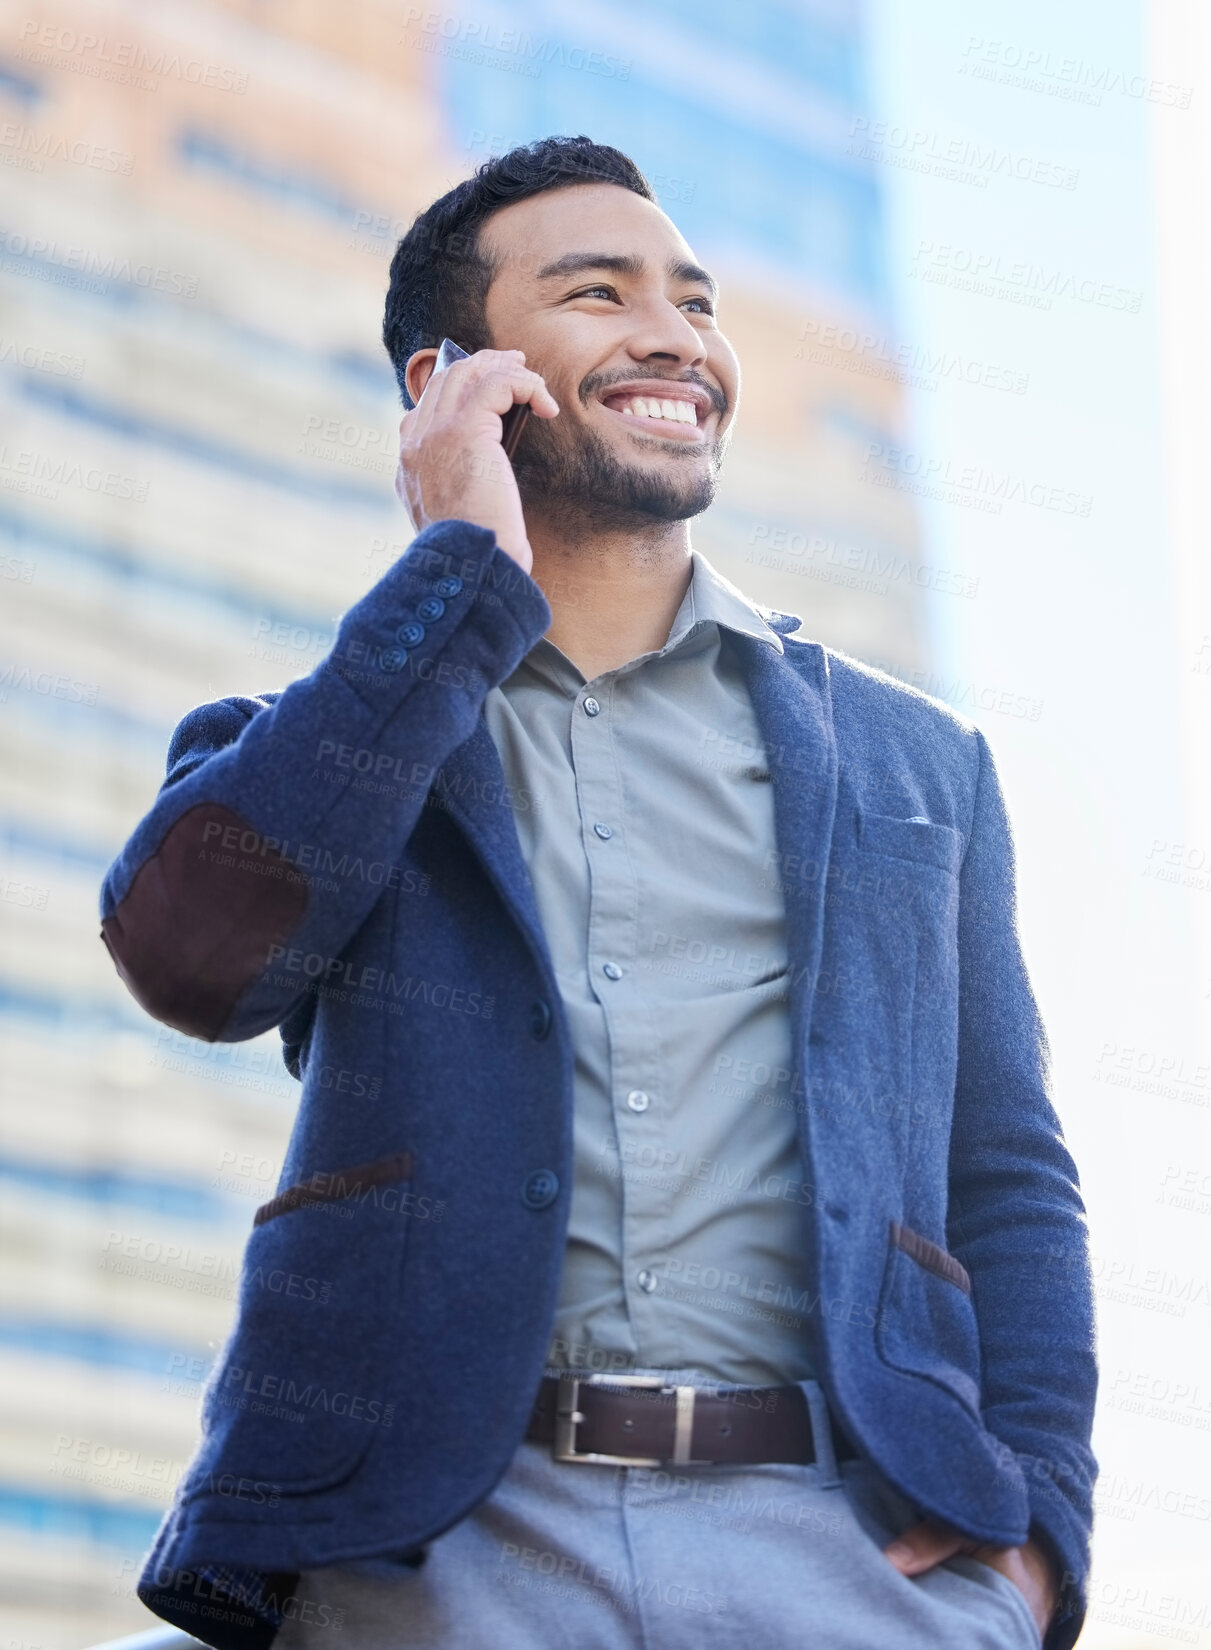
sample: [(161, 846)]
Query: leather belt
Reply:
[(642, 1420)]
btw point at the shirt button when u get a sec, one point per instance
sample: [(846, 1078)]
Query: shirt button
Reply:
[(539, 1020), (541, 1188), (449, 586), (603, 831), (646, 1281), (638, 1100), (611, 971), (591, 707), (431, 608)]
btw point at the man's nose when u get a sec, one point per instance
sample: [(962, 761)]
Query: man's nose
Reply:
[(668, 336)]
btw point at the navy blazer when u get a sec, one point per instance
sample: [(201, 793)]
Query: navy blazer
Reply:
[(341, 861)]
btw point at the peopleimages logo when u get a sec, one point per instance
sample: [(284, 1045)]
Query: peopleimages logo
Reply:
[(37, 148), (917, 471), (106, 58), (489, 44), (1017, 280), (91, 264), (25, 680), (962, 160), (40, 359), (254, 1390), (25, 470), (1037, 68), (361, 984)]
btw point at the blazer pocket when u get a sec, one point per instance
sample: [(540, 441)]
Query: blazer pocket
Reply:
[(336, 1186), (926, 1324), (916, 839), (931, 1256), (301, 1389)]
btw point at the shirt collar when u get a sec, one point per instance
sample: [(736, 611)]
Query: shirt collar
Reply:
[(711, 603), (709, 597)]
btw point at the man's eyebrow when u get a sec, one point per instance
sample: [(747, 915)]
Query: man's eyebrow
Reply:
[(693, 272), (621, 263)]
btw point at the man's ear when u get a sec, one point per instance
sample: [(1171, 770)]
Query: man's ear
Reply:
[(418, 372)]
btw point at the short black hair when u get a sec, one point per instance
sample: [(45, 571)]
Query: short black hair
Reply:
[(439, 276)]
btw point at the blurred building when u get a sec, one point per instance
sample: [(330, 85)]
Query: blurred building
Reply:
[(200, 202)]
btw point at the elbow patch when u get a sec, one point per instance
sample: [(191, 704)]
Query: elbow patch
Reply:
[(195, 928)]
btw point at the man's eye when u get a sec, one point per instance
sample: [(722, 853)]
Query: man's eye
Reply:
[(708, 307), (590, 290)]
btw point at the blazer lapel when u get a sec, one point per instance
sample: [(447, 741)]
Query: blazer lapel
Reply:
[(472, 786), (793, 703)]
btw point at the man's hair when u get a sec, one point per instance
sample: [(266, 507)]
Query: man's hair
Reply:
[(440, 277)]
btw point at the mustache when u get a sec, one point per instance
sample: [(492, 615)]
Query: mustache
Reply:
[(598, 381)]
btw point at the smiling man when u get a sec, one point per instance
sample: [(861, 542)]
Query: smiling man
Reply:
[(687, 1252)]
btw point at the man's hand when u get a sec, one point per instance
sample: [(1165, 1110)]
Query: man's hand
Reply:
[(932, 1542), (451, 462)]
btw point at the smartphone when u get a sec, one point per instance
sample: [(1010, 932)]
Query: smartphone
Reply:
[(513, 422)]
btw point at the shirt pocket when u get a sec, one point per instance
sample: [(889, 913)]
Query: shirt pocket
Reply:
[(299, 1393)]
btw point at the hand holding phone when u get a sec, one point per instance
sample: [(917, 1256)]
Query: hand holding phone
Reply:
[(514, 421), (453, 459)]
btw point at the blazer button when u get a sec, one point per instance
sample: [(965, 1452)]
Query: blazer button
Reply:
[(449, 586), (541, 1188), (410, 633), (539, 1019), (431, 608)]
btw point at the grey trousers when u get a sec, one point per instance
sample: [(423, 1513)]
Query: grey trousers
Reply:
[(771, 1557)]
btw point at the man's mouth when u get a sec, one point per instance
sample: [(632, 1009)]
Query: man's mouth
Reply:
[(662, 409)]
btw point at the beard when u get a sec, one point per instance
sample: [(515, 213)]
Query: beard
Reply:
[(581, 482)]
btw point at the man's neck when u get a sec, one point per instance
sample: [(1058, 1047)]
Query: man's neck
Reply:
[(613, 596)]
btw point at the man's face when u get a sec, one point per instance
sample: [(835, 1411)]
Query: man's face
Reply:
[(597, 287)]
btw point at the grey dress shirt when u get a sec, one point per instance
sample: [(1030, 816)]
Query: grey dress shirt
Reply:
[(648, 815)]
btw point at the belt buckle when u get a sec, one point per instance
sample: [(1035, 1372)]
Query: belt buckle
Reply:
[(568, 1417)]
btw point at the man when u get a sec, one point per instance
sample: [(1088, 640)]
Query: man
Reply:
[(682, 1243)]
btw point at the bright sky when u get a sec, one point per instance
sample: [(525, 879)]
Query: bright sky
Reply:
[(1081, 613)]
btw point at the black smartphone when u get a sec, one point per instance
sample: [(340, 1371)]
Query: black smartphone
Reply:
[(513, 422)]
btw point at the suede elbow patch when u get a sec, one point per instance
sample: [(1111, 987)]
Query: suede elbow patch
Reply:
[(195, 928)]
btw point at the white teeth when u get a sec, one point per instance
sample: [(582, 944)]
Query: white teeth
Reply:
[(680, 412)]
